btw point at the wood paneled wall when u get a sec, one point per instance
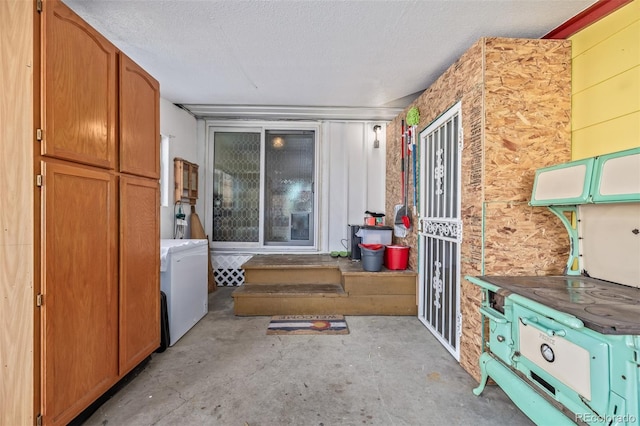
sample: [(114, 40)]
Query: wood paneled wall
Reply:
[(16, 213), (515, 96)]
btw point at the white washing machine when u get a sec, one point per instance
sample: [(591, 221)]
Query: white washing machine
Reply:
[(183, 279)]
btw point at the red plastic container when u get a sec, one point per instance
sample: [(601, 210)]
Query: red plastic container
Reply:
[(396, 257), (374, 247)]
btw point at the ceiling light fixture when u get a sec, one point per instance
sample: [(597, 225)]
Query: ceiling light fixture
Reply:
[(277, 142)]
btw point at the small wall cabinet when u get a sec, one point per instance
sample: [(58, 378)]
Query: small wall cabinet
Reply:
[(186, 180)]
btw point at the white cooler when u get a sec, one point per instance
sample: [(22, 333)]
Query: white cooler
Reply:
[(183, 279)]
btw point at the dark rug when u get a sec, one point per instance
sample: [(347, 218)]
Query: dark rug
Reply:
[(308, 324)]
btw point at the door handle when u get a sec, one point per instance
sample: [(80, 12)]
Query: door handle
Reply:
[(533, 322), (489, 314)]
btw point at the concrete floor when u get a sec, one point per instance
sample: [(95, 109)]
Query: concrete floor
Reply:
[(227, 371)]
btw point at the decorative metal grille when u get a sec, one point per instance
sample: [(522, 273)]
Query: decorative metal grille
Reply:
[(450, 230), (289, 171), (440, 232), (227, 269), (236, 187)]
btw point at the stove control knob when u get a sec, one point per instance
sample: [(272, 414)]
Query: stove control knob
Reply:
[(547, 352)]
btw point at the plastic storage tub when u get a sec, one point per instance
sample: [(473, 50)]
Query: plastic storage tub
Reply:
[(372, 257), (375, 234), (396, 257)]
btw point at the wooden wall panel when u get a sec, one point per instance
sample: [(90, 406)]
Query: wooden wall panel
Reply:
[(523, 240), (462, 81), (16, 213), (516, 118), (527, 108)]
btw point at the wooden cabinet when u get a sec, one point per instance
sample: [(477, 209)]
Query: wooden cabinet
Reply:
[(79, 288), (186, 180), (78, 89), (139, 120), (139, 270), (79, 265)]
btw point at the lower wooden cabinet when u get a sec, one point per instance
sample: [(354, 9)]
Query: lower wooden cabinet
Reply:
[(100, 312), (139, 270), (79, 312)]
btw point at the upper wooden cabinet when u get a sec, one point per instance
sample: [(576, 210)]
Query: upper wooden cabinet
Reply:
[(78, 89), (186, 180), (139, 95)]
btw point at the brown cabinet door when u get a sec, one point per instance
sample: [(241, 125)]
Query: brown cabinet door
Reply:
[(78, 88), (139, 270), (79, 285), (139, 120)]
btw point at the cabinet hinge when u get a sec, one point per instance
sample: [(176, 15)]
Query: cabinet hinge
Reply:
[(39, 5), (38, 180), (39, 420), (39, 300), (38, 134)]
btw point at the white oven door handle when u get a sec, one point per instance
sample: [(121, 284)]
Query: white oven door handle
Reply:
[(560, 317), (533, 322)]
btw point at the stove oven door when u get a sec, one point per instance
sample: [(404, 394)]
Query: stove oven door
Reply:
[(498, 310), (570, 365)]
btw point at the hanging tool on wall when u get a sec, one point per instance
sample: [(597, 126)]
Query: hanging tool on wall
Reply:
[(401, 209), (406, 219), (413, 118)]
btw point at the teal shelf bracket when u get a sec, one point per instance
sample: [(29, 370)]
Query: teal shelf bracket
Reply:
[(573, 263)]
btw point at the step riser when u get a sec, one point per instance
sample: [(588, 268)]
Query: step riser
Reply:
[(352, 305), (384, 285), (292, 276), (321, 285)]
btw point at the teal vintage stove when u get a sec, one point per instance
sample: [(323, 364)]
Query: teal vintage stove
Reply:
[(566, 349)]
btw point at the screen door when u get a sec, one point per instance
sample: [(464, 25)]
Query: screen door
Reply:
[(440, 231)]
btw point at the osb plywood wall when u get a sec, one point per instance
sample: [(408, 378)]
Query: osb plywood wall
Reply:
[(515, 96)]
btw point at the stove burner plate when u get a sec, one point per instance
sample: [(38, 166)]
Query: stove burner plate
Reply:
[(609, 296), (551, 281), (569, 295), (603, 306)]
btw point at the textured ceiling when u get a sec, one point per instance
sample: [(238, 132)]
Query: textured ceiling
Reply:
[(319, 53)]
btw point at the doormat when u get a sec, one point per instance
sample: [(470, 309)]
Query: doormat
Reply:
[(308, 324)]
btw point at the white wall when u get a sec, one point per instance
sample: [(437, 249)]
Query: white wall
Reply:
[(181, 128), (355, 175)]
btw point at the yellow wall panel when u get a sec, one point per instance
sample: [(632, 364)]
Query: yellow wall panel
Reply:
[(606, 27), (615, 97), (622, 51), (610, 136), (605, 112)]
